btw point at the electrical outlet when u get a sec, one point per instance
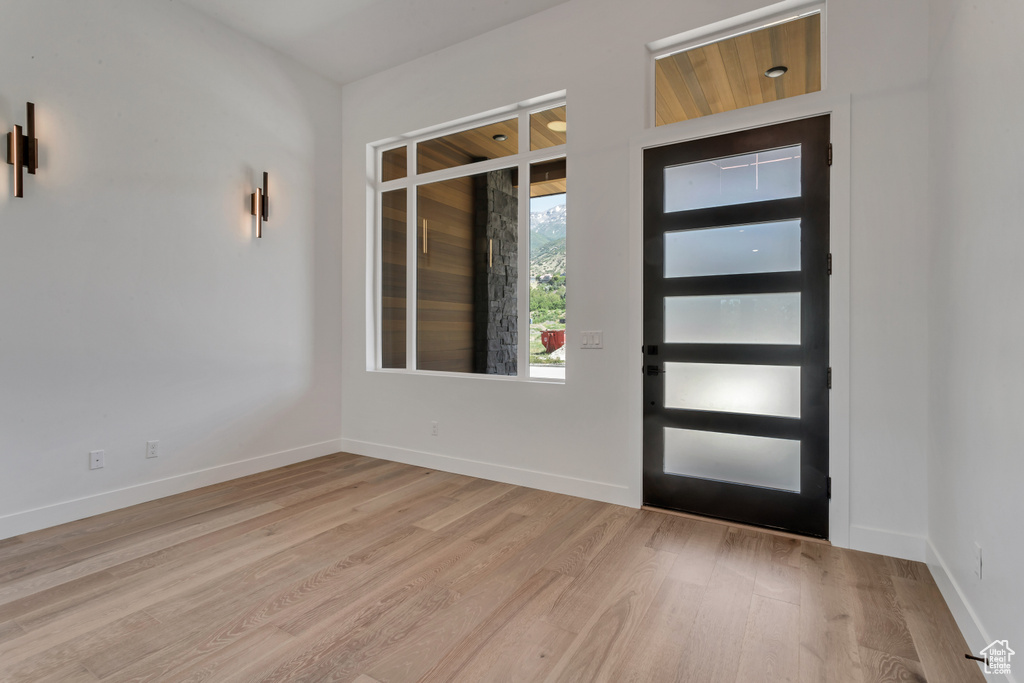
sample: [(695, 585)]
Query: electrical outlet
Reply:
[(978, 565), (152, 449), (433, 428), (95, 460)]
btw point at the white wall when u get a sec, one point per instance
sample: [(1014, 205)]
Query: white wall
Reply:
[(976, 471), (583, 437), (135, 303)]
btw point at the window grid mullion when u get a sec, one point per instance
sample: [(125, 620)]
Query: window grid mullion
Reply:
[(523, 242), (378, 277), (411, 213), (477, 168)]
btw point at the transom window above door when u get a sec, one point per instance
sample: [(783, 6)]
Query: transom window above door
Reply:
[(762, 63)]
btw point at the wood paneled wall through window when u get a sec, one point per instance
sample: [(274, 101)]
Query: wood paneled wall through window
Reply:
[(730, 74), (393, 164), (393, 279), (547, 178), (445, 276)]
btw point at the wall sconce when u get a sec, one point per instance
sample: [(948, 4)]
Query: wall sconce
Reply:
[(260, 204), (23, 150)]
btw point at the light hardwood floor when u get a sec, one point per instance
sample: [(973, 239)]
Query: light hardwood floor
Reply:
[(346, 568)]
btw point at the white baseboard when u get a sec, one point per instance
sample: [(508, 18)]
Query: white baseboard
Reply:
[(546, 481), (976, 635), (68, 511), (885, 542)]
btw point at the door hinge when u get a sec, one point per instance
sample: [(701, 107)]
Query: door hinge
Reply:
[(830, 263), (830, 154), (828, 487), (829, 378)]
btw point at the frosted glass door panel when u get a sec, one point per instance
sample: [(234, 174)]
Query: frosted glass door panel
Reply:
[(738, 249), (755, 389), (735, 458), (757, 177), (733, 319)]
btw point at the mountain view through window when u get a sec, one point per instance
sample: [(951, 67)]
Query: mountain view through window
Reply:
[(547, 286)]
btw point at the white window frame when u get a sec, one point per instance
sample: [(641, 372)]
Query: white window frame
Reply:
[(412, 180), (730, 28)]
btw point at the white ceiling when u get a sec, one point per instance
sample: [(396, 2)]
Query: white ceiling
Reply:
[(349, 39)]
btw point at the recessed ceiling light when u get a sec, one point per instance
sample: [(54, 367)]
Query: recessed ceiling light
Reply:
[(776, 71), (500, 137), (557, 126)]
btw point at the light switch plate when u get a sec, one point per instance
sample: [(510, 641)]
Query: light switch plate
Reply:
[(592, 339)]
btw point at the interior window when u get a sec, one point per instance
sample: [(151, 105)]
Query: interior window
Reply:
[(455, 260)]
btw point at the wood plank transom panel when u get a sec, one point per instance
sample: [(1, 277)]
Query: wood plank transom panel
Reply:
[(730, 74)]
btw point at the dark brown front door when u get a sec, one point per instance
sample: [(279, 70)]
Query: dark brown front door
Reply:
[(736, 250)]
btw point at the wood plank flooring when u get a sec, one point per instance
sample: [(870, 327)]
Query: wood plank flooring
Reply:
[(347, 568)]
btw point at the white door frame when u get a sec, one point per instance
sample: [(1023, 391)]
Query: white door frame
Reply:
[(813, 104)]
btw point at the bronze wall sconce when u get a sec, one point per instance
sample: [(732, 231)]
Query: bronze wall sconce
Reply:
[(23, 150), (260, 204)]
